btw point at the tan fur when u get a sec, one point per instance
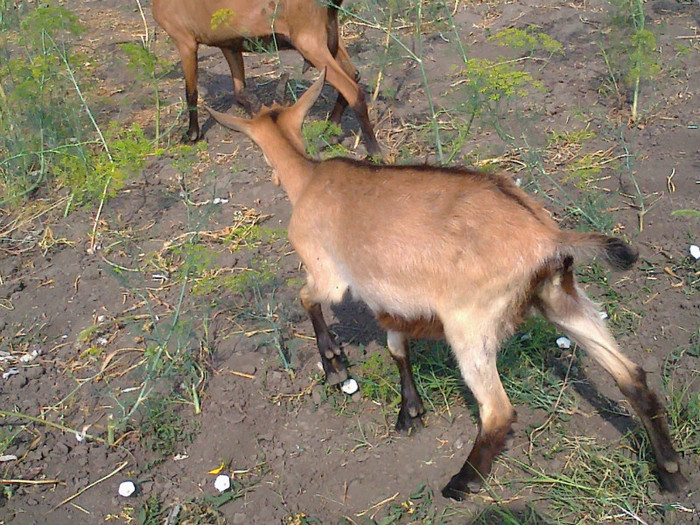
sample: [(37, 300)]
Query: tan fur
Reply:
[(309, 26), (436, 251)]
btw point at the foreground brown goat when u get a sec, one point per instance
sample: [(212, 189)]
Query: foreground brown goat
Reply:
[(443, 252), (309, 26)]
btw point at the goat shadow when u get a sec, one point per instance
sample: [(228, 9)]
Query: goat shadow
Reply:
[(355, 324), (283, 89)]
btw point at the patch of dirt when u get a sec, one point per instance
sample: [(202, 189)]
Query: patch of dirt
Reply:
[(294, 446)]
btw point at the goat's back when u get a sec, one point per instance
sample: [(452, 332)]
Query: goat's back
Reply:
[(238, 20), (399, 231)]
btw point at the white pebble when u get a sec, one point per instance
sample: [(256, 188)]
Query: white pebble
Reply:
[(603, 314), (11, 372), (126, 488), (222, 483), (695, 251), (349, 386), (563, 342)]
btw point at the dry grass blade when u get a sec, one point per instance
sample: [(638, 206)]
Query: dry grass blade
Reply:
[(58, 426), (103, 478), (30, 481)]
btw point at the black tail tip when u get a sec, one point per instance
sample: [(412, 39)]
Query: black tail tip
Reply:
[(620, 254)]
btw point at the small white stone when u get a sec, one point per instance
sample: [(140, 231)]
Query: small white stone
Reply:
[(126, 488), (563, 342), (695, 251), (603, 314), (222, 483), (11, 372), (349, 386)]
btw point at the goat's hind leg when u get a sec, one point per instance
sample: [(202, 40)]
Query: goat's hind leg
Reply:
[(188, 57), (411, 405), (477, 362), (332, 356), (244, 97), (565, 305)]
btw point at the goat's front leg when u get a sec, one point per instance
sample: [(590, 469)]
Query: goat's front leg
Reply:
[(411, 405), (477, 363), (332, 355)]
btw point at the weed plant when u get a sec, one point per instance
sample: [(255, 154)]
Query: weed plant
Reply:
[(630, 51), (48, 134)]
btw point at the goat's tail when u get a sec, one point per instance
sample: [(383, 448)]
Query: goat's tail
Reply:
[(618, 254)]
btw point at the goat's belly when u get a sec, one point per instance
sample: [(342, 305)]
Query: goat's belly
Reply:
[(419, 327)]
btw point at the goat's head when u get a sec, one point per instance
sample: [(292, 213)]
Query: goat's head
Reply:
[(270, 122)]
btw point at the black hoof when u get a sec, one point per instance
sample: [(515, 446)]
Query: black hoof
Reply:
[(462, 485), (192, 135), (335, 371), (407, 424), (671, 481), (456, 489)]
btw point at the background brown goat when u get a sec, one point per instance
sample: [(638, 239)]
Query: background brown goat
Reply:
[(438, 252), (309, 26)]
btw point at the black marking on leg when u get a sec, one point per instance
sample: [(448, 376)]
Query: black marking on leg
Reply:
[(332, 356), (411, 405), (476, 469), (653, 415), (193, 129)]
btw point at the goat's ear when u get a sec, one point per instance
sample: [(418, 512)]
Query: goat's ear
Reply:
[(307, 100), (229, 121)]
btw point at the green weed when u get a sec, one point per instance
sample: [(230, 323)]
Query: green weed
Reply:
[(563, 139), (322, 135), (525, 365), (148, 68), (681, 378), (163, 428), (151, 512), (528, 39), (41, 118), (629, 50)]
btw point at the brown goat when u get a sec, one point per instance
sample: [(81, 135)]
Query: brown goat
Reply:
[(438, 252), (309, 26)]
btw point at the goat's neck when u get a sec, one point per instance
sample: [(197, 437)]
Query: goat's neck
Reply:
[(293, 169)]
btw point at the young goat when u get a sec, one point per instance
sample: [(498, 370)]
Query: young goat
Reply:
[(438, 252), (309, 26)]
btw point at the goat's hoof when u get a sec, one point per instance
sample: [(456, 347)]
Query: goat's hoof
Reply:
[(336, 376), (406, 423), (192, 135), (459, 488), (456, 489), (671, 481)]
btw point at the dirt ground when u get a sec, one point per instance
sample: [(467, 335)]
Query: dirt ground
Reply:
[(300, 452)]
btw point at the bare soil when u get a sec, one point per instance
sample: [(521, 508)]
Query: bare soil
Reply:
[(295, 447)]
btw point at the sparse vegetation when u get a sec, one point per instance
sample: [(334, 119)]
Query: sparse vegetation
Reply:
[(135, 271)]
